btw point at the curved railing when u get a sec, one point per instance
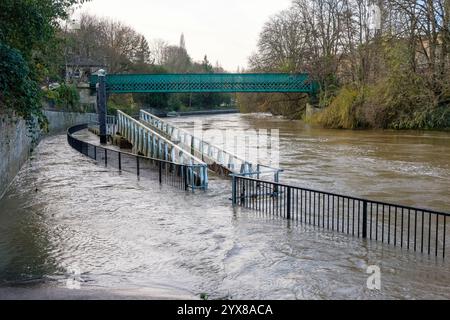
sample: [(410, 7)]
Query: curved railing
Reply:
[(178, 175), (209, 152), (153, 145)]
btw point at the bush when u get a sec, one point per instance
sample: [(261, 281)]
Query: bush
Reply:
[(398, 99), (341, 112), (65, 97), (122, 102), (69, 97), (290, 105)]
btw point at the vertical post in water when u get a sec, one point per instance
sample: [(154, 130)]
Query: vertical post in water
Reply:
[(288, 204), (160, 172), (101, 99), (185, 175), (138, 171), (233, 195), (193, 145), (364, 220)]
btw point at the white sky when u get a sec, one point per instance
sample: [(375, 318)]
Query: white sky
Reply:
[(225, 30)]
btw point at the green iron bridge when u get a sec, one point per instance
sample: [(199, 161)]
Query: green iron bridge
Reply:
[(214, 82), (195, 83)]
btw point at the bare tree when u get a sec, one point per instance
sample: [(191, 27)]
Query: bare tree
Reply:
[(110, 42), (406, 56), (157, 51)]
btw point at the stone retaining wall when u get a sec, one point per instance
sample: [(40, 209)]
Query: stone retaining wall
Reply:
[(17, 143)]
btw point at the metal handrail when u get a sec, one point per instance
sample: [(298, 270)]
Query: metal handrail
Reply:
[(182, 175), (279, 184), (122, 115), (150, 143), (245, 166), (409, 227)]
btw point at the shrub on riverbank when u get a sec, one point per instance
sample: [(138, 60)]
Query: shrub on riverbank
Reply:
[(382, 107), (397, 77), (289, 105), (340, 113), (399, 98)]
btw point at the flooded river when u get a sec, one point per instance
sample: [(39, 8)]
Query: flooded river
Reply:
[(63, 215)]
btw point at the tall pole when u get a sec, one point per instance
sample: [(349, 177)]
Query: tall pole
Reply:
[(101, 98)]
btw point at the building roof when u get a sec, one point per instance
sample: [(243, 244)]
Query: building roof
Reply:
[(84, 62)]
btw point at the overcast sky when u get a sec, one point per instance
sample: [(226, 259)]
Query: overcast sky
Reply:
[(225, 30)]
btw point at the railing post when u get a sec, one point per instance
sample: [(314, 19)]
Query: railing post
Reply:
[(120, 161), (288, 206), (106, 157), (160, 172), (185, 174), (192, 145), (364, 220), (137, 166), (233, 191), (95, 152)]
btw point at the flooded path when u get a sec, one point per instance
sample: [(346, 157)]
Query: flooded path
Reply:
[(64, 214)]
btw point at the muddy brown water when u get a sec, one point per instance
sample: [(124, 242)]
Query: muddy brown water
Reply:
[(65, 215)]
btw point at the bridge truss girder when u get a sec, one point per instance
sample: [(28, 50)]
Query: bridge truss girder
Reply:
[(216, 82)]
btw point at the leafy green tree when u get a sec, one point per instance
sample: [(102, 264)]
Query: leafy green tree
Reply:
[(17, 89), (28, 29)]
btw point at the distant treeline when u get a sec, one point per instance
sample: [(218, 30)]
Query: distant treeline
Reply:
[(39, 38), (123, 50), (380, 64)]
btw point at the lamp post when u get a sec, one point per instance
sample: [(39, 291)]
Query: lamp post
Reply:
[(101, 99), (74, 27)]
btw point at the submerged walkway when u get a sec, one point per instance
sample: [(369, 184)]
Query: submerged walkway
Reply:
[(64, 212), (219, 160)]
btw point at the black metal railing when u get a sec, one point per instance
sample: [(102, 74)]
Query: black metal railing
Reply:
[(411, 228), (165, 172)]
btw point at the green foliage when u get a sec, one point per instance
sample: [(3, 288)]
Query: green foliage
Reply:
[(65, 97), (27, 36), (17, 90), (150, 100), (69, 97), (396, 78), (402, 99), (399, 99), (175, 104), (122, 102), (290, 105), (251, 102), (340, 113)]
